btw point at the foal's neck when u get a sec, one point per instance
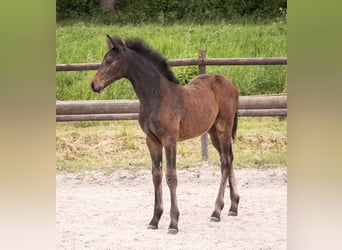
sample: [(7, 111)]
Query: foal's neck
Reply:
[(145, 79)]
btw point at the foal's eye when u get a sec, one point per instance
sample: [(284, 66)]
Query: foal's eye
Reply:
[(108, 61)]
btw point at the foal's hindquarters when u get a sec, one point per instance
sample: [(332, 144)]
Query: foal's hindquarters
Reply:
[(216, 108)]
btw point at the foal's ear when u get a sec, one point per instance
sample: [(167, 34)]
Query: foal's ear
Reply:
[(113, 43), (110, 42)]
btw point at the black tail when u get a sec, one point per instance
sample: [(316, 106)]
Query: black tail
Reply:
[(235, 125)]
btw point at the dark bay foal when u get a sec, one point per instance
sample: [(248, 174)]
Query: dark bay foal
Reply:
[(170, 113)]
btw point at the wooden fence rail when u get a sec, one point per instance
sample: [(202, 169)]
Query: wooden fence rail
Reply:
[(188, 62), (133, 106), (134, 116)]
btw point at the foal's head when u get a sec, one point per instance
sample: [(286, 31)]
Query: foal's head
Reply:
[(113, 65), (118, 60)]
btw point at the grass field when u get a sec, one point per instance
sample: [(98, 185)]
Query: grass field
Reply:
[(107, 146), (85, 43), (121, 144)]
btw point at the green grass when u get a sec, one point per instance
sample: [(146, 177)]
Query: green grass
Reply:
[(107, 146), (85, 43)]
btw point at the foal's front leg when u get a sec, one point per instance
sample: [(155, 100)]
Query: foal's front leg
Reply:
[(170, 144), (155, 148)]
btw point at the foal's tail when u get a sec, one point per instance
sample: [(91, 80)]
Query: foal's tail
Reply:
[(235, 125)]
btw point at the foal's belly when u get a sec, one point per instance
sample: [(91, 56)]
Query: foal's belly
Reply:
[(186, 136), (200, 111), (196, 123)]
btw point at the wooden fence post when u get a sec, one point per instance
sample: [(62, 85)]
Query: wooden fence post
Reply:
[(204, 137)]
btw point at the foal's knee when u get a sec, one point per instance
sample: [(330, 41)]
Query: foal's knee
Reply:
[(157, 175), (171, 178)]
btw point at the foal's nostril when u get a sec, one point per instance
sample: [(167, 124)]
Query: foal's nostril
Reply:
[(92, 86)]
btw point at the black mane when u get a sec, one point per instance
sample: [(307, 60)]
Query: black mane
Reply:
[(142, 48)]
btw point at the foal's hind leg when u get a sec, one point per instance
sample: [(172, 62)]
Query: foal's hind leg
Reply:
[(234, 197), (219, 203), (222, 141), (155, 148)]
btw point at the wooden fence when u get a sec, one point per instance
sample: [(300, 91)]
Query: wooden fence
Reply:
[(128, 110), (201, 61)]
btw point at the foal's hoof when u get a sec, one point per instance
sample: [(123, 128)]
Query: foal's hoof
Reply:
[(152, 227), (232, 213), (214, 219), (172, 231)]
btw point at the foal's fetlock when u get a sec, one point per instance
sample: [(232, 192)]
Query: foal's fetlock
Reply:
[(215, 216), (153, 227), (173, 227), (233, 210), (153, 224), (156, 218)]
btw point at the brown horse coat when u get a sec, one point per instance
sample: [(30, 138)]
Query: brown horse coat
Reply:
[(170, 112)]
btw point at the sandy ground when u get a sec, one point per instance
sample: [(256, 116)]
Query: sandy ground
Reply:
[(95, 210)]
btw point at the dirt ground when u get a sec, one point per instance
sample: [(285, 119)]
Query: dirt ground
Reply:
[(95, 210)]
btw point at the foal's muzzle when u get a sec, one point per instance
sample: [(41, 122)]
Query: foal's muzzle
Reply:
[(96, 89)]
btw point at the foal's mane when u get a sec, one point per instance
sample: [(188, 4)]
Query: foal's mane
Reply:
[(143, 49)]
